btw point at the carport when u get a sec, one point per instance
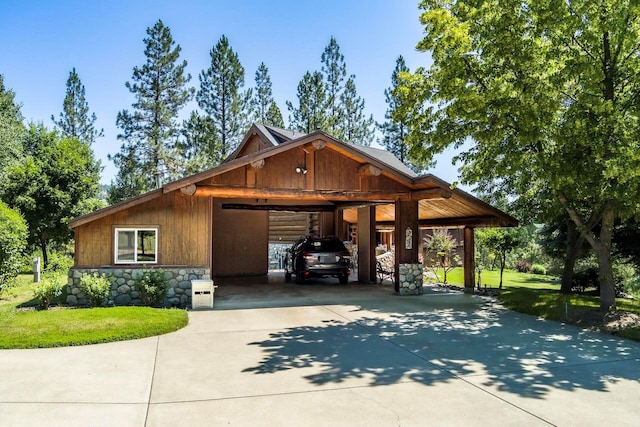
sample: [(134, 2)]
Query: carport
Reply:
[(351, 187), (216, 223)]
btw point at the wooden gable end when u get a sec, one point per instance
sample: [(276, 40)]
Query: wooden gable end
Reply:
[(254, 144)]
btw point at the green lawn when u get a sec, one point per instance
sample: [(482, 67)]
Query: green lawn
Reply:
[(511, 278), (25, 328)]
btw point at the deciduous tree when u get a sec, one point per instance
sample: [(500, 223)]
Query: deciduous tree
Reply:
[(56, 181), (548, 93)]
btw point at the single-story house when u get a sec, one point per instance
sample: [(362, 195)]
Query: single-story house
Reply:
[(216, 223)]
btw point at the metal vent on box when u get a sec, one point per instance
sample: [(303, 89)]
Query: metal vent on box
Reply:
[(202, 292)]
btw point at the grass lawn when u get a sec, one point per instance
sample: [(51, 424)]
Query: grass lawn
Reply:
[(540, 295), (23, 327)]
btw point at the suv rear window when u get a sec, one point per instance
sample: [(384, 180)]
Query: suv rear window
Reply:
[(325, 245)]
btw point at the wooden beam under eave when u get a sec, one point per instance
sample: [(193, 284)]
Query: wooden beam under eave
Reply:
[(296, 194)]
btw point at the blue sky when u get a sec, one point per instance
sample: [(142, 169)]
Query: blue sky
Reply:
[(41, 41)]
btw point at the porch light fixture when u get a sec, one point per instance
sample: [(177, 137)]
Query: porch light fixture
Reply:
[(301, 170)]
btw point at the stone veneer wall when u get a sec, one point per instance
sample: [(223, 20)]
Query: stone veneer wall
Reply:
[(123, 291), (410, 279)]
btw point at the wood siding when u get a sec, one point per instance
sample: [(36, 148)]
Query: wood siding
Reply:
[(184, 227)]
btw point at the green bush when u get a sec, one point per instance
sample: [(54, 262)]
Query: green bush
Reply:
[(96, 287), (13, 239), (152, 285), (49, 289), (59, 262), (538, 269)]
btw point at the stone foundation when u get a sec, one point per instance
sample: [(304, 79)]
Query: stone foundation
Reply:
[(410, 279), (123, 291)]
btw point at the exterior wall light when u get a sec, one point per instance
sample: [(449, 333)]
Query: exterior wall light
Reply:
[(301, 170)]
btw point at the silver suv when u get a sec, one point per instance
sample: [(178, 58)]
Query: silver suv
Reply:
[(318, 257)]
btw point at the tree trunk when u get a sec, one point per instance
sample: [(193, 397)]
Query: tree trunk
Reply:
[(574, 242), (43, 248), (603, 250), (503, 261)]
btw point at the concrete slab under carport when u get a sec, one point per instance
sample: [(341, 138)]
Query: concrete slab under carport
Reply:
[(345, 355)]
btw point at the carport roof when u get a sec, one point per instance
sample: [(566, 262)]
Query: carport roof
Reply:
[(439, 204)]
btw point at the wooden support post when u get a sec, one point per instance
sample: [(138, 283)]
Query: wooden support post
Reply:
[(406, 236), (367, 244), (327, 224), (469, 260)]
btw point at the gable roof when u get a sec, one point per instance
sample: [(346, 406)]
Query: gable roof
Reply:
[(280, 141)]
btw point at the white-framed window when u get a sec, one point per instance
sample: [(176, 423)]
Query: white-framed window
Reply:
[(136, 246)]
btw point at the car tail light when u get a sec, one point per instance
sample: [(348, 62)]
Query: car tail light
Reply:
[(308, 256)]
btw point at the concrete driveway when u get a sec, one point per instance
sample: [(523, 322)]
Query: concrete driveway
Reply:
[(330, 355)]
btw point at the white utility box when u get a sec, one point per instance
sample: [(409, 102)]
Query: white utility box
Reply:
[(202, 293)]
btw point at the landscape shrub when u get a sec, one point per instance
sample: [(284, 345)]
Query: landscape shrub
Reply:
[(96, 287), (49, 289), (538, 269), (59, 262), (523, 266), (13, 239), (152, 285)]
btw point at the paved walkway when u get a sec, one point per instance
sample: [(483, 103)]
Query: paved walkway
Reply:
[(330, 355)]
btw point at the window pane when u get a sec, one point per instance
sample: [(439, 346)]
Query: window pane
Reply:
[(146, 246), (126, 245)]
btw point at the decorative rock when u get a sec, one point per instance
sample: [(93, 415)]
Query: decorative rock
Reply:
[(122, 299), (123, 288)]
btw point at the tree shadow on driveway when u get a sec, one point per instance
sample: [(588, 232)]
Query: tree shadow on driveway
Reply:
[(444, 338)]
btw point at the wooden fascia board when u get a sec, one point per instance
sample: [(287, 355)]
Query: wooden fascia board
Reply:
[(110, 210)]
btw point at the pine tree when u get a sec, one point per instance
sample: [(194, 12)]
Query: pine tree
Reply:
[(334, 72), (396, 126), (222, 98), (150, 132), (75, 120), (354, 127), (274, 116), (11, 129), (310, 115), (200, 147)]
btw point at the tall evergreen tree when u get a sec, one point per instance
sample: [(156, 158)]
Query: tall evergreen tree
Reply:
[(222, 98), (265, 109), (310, 114), (274, 116), (354, 127), (11, 129), (75, 120), (334, 71), (200, 146), (150, 132), (396, 126)]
